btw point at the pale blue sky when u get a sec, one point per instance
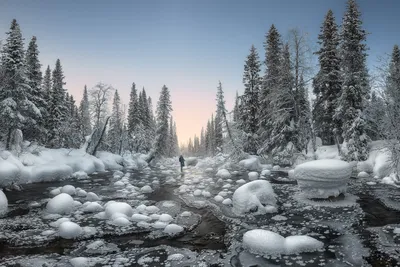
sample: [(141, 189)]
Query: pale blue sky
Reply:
[(187, 45)]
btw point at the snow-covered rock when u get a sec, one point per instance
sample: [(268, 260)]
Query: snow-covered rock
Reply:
[(223, 173), (79, 262), (197, 192), (175, 257), (68, 189), (252, 197), (57, 223), (60, 204), (291, 174), (241, 181), (146, 189), (140, 217), (55, 192), (81, 193), (265, 173), (165, 218), (323, 178), (69, 230), (218, 198), (186, 214), (92, 197), (227, 201), (191, 161), (120, 221), (253, 176), (206, 193), (267, 243), (362, 175), (93, 207), (173, 229), (276, 168), (251, 164), (80, 175), (3, 203), (159, 225), (113, 207)]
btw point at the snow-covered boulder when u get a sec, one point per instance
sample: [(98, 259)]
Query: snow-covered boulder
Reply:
[(223, 173), (92, 197), (92, 207), (120, 221), (323, 178), (267, 243), (68, 189), (191, 161), (60, 204), (362, 175), (3, 203), (113, 207), (265, 173), (69, 230), (111, 161), (253, 176), (80, 175), (140, 217), (146, 189), (252, 197), (218, 198), (291, 174), (251, 164), (173, 229), (227, 201)]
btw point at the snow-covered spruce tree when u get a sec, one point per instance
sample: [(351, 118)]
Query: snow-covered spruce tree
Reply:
[(283, 139), (219, 118), (84, 114), (144, 109), (270, 84), (355, 90), (57, 107), (327, 83), (376, 116), (68, 128), (196, 145), (207, 139), (116, 125), (202, 142), (133, 119), (212, 136), (171, 145), (16, 108), (164, 108), (37, 131), (248, 113), (176, 144), (304, 133), (236, 112), (391, 96)]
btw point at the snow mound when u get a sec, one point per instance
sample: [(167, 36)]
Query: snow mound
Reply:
[(253, 176), (241, 181), (267, 243), (223, 173), (111, 161), (218, 198), (165, 218), (93, 207), (251, 164), (197, 192), (55, 192), (140, 217), (92, 197), (192, 161), (227, 201), (173, 229), (362, 175), (80, 175), (60, 204), (291, 174), (146, 189), (120, 221), (69, 230), (79, 262), (252, 197), (3, 203), (81, 193), (59, 222), (68, 189), (186, 214), (206, 193), (265, 173), (113, 207), (323, 178)]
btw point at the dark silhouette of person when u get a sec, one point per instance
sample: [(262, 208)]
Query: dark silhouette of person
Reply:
[(182, 161)]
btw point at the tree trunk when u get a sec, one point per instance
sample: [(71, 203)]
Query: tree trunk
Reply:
[(101, 137), (8, 142)]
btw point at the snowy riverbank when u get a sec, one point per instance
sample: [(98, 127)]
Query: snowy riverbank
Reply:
[(37, 164)]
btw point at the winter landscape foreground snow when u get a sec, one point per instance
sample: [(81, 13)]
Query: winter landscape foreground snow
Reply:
[(215, 212)]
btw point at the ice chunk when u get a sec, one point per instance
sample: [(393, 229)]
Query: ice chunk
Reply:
[(165, 218), (323, 178), (113, 207), (69, 230), (252, 196), (227, 201), (301, 243), (60, 204), (146, 189), (3, 203), (140, 217), (251, 164), (218, 198), (253, 176), (92, 197), (68, 189), (173, 229), (223, 173), (363, 175), (264, 242)]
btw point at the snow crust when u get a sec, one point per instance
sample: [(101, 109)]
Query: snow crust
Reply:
[(252, 197)]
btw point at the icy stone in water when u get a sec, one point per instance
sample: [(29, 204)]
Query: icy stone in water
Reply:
[(93, 207), (140, 217), (186, 214), (69, 230), (159, 225), (48, 232), (218, 198), (59, 221), (173, 229), (3, 203), (241, 181), (33, 204), (371, 183), (252, 197), (264, 242), (77, 204), (118, 207), (175, 257), (92, 197), (363, 175), (68, 189), (266, 173), (119, 183), (152, 209), (253, 176), (60, 204), (81, 193), (279, 218), (165, 218), (100, 215), (223, 193), (396, 230), (227, 186), (120, 221), (227, 201), (276, 168), (301, 243), (141, 208), (223, 173), (79, 262), (146, 189), (168, 204), (55, 192), (197, 192)]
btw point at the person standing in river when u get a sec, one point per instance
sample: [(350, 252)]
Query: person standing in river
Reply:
[(182, 161)]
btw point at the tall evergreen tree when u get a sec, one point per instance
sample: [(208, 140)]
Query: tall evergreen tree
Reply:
[(327, 83), (207, 138), (84, 114), (202, 142), (212, 136), (236, 112), (176, 144), (271, 82), (219, 118), (305, 117), (355, 90), (164, 109), (16, 108), (249, 104), (133, 116), (116, 124), (57, 105)]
